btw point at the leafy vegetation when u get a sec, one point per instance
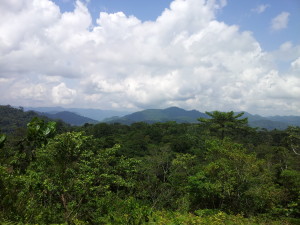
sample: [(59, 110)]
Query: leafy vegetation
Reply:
[(219, 171), (12, 119)]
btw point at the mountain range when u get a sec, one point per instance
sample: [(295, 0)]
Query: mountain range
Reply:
[(14, 119), (95, 114), (159, 115), (77, 116), (69, 117), (183, 116)]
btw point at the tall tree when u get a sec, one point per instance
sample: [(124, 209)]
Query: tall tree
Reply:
[(224, 123), (294, 139)]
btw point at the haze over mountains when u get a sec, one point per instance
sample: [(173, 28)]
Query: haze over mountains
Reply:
[(77, 116), (94, 114), (70, 118)]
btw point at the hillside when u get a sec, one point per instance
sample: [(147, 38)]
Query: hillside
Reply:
[(160, 115), (266, 123), (153, 116), (290, 120), (183, 116), (70, 118), (95, 114), (12, 118)]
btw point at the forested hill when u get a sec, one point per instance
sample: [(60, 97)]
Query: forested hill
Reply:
[(271, 123), (155, 115), (70, 118), (160, 115), (95, 114), (183, 116), (11, 119)]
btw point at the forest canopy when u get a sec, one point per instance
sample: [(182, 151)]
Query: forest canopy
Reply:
[(219, 171)]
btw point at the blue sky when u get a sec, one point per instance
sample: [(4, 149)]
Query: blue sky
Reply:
[(243, 13), (131, 55), (144, 10)]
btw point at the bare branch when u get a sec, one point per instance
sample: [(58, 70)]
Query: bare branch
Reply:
[(294, 150)]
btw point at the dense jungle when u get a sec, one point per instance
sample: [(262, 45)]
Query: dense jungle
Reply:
[(216, 171)]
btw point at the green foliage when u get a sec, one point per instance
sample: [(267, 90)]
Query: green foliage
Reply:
[(113, 210), (38, 132), (12, 118), (294, 139), (37, 135), (224, 123), (2, 140), (68, 173), (210, 217), (290, 180), (233, 181), (154, 177), (163, 173)]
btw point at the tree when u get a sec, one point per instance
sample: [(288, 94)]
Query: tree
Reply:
[(38, 132), (224, 123), (70, 176), (37, 135), (233, 181), (294, 139)]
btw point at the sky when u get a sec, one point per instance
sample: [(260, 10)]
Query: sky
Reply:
[(131, 55)]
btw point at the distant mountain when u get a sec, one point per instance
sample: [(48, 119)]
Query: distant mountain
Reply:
[(51, 110), (160, 115), (70, 118), (12, 119), (95, 114), (182, 116), (268, 124), (157, 115), (290, 120), (264, 122)]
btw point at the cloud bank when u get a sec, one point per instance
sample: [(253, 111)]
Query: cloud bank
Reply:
[(185, 58)]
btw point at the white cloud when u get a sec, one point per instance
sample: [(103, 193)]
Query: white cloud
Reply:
[(286, 53), (33, 92), (280, 22), (185, 58), (63, 95), (296, 65), (261, 8), (286, 46)]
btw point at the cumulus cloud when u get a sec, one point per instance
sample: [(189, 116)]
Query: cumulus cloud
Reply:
[(186, 57), (63, 95), (286, 53), (261, 8), (296, 64), (280, 22), (286, 46)]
